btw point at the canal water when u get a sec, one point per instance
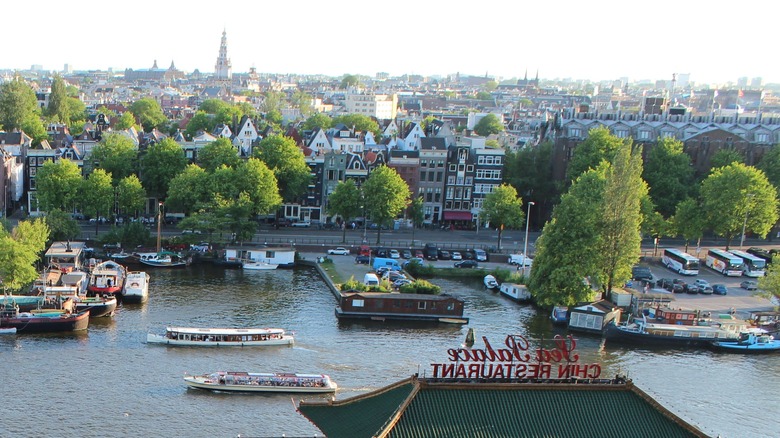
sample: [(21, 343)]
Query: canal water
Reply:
[(109, 382)]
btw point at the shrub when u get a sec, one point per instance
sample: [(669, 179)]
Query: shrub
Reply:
[(417, 269), (421, 287), (353, 285)]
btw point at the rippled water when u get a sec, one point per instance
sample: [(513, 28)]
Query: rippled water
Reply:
[(108, 382)]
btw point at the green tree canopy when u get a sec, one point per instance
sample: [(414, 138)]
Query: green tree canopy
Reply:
[(688, 221), (318, 121), (285, 159), (345, 201), (737, 195), (490, 124), (349, 81), (724, 157), (126, 121), (96, 196), (56, 184), (162, 161), (385, 196), (599, 146), (302, 101), (530, 171), (19, 109), (130, 195), (416, 214), (116, 154), (770, 165), (218, 153), (58, 108), (189, 190), (669, 175), (149, 113), (213, 106), (483, 95), (62, 226), (19, 250), (259, 183), (360, 123), (200, 121), (503, 209)]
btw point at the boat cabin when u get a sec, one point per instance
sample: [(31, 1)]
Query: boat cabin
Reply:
[(676, 316), (593, 317), (66, 256), (396, 306), (283, 257), (517, 292)]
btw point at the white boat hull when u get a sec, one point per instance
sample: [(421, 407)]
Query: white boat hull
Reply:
[(159, 339), (136, 288), (258, 266), (263, 384), (7, 330)]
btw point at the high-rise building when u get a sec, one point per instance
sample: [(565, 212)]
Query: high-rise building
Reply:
[(222, 70)]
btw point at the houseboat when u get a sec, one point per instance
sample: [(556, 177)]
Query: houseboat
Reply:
[(262, 382), (645, 333), (42, 322), (66, 256), (136, 288), (379, 306), (516, 292), (282, 257), (107, 277), (221, 337), (593, 317), (55, 287)]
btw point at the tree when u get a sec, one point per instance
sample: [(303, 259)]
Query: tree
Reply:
[(130, 195), (285, 159), (490, 124), (416, 214), (19, 109), (669, 175), (771, 281), (116, 154), (345, 201), (274, 117), (503, 209), (62, 226), (318, 121), (189, 190), (688, 221), (273, 101), (19, 250), (385, 195), (724, 157), (359, 123), (620, 239), (58, 108), (490, 85), (56, 185), (560, 272), (599, 146), (213, 106), (349, 81), (258, 181), (530, 171), (737, 196), (218, 153), (162, 161), (770, 165), (302, 101), (200, 121), (96, 196), (149, 113), (126, 121)]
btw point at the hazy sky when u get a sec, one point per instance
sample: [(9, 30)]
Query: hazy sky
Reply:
[(596, 39)]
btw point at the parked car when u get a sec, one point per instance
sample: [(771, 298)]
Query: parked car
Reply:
[(406, 254), (520, 260), (457, 255), (418, 254), (467, 264), (641, 273), (394, 276), (400, 282), (705, 290), (302, 224), (413, 260), (382, 252), (188, 231), (338, 251), (665, 283), (362, 259), (480, 255), (444, 255), (201, 247), (394, 254), (679, 286), (749, 285), (720, 289), (701, 283)]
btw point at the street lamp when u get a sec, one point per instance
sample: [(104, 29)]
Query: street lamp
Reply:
[(525, 241), (159, 224), (744, 224)]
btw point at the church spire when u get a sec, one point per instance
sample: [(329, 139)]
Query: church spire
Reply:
[(222, 69)]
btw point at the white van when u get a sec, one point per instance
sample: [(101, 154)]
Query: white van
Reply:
[(371, 279), (520, 260)]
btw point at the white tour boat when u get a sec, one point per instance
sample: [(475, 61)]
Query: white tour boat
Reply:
[(262, 382), (221, 337), (136, 288)]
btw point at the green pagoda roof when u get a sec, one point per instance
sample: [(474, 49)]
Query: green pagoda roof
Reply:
[(420, 408)]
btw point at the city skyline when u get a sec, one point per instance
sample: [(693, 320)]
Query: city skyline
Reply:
[(601, 40)]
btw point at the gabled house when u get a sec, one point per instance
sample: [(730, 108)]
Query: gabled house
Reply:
[(246, 135), (319, 142), (222, 130), (410, 138)]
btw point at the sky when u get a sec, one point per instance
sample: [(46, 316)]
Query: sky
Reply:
[(595, 39)]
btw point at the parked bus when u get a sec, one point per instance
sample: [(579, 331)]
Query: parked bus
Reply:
[(752, 266), (761, 253), (680, 262), (724, 262)]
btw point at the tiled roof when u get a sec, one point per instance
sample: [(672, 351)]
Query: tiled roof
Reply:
[(423, 409)]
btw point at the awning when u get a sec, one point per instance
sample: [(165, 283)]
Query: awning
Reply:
[(457, 215)]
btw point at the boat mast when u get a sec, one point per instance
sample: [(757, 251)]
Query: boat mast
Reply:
[(159, 226)]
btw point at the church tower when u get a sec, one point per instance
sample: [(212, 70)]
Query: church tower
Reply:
[(222, 69)]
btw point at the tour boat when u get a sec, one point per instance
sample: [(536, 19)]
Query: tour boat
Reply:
[(136, 288), (40, 322), (257, 266), (107, 277), (490, 282), (221, 337), (756, 341), (262, 382)]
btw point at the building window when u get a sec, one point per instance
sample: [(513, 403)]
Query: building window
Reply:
[(33, 171), (453, 168), (451, 179), (762, 137), (470, 168), (621, 133), (575, 132), (644, 135)]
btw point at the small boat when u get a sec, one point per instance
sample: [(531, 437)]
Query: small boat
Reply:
[(107, 277), (136, 288), (262, 382), (25, 302), (120, 256), (162, 259), (516, 292), (490, 282), (221, 337), (470, 338), (8, 331), (43, 321), (253, 265), (754, 341), (559, 315)]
